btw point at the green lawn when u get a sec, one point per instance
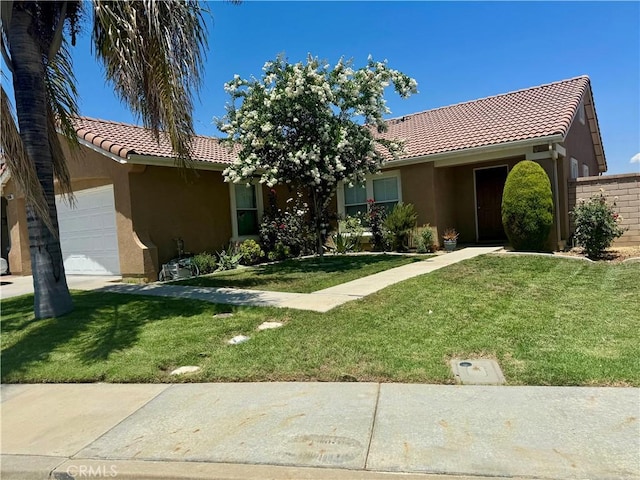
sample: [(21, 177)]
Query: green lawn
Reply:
[(303, 275), (547, 321)]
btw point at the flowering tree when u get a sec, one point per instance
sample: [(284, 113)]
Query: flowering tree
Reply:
[(298, 125)]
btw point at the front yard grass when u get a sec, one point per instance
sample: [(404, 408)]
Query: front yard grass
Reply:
[(548, 321), (304, 275)]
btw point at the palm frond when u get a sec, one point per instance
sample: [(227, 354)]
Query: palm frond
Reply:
[(61, 95), (153, 53), (20, 165)]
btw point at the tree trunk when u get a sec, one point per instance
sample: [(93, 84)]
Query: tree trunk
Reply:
[(317, 220), (52, 298)]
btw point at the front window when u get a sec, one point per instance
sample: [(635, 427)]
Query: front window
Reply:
[(385, 192), (384, 189), (246, 210), (585, 170), (355, 199)]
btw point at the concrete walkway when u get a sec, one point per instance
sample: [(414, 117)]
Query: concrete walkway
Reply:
[(320, 301), (318, 431)]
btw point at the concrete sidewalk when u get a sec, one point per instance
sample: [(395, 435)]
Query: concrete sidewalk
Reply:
[(318, 431), (320, 301)]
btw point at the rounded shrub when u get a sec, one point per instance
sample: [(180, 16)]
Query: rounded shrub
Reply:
[(527, 207)]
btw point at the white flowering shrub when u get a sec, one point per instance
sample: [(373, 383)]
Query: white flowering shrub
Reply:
[(299, 125)]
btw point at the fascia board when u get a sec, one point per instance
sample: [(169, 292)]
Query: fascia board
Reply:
[(468, 152)]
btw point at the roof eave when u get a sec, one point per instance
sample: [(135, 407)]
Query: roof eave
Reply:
[(476, 150), (138, 159)]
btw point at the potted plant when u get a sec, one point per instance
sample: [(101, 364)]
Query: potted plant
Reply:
[(450, 237)]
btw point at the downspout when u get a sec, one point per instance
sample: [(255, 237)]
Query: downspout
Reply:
[(556, 195)]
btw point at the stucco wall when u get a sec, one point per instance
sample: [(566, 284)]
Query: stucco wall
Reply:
[(626, 187), (19, 255), (418, 188), (167, 205)]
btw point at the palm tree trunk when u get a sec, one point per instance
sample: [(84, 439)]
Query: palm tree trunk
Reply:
[(52, 298)]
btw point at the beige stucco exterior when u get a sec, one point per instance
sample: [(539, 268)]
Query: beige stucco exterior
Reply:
[(442, 187), (153, 206)]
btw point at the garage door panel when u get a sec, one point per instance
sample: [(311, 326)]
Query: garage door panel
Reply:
[(88, 234)]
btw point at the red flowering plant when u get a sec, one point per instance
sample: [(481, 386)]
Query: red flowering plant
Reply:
[(284, 232), (597, 224)]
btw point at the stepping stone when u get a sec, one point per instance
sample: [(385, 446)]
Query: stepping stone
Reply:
[(269, 325), (480, 371), (186, 369), (223, 315), (238, 339)]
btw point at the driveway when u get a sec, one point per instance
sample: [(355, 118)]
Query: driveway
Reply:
[(15, 285)]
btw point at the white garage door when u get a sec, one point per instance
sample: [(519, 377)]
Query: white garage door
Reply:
[(88, 235)]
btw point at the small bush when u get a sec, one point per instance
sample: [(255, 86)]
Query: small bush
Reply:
[(279, 252), (597, 225), (206, 262), (286, 230), (348, 238), (527, 207), (251, 252), (399, 223), (229, 259), (425, 239), (375, 217)]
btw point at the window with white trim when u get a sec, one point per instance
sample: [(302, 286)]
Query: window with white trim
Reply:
[(384, 189), (355, 199), (574, 168), (246, 210), (386, 192), (585, 170)]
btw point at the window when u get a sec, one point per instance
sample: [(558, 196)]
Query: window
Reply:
[(385, 192), (574, 168), (383, 188), (355, 199), (585, 170), (246, 209)]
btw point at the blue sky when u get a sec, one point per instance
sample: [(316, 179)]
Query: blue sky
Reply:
[(457, 51)]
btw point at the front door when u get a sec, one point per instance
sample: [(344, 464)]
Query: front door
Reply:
[(489, 186)]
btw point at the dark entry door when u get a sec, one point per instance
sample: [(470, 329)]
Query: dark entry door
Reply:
[(489, 186)]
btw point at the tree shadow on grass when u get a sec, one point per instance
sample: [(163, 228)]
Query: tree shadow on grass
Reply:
[(101, 324)]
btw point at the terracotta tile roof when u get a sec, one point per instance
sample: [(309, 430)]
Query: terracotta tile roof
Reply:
[(524, 114), (122, 140)]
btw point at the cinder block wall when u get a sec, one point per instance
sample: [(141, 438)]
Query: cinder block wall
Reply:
[(626, 187)]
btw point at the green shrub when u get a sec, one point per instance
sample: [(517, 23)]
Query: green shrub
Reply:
[(229, 259), (251, 252), (425, 239), (527, 207), (399, 223), (348, 238), (596, 225), (280, 251), (206, 262)]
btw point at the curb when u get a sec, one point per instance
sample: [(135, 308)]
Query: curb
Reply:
[(45, 468)]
